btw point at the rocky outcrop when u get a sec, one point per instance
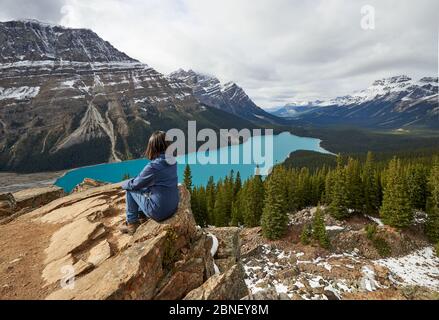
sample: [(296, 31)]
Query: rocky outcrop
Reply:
[(15, 204), (229, 285), (7, 204), (160, 261), (85, 256), (34, 198)]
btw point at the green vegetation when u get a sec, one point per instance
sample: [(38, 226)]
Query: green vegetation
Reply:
[(274, 219), (187, 180), (319, 230), (306, 235), (379, 243), (391, 189), (432, 226)]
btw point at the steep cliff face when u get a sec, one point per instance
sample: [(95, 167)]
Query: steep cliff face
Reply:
[(68, 98)]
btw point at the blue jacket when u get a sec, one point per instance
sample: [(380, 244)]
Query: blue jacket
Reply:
[(158, 182)]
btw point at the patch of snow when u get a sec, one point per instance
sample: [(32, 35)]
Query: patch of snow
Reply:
[(213, 250), (19, 93), (334, 228), (368, 281), (376, 220), (418, 268)]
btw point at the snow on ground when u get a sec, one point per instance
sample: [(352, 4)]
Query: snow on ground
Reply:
[(376, 220), (18, 93), (213, 250), (418, 268), (266, 269), (334, 228), (263, 271)]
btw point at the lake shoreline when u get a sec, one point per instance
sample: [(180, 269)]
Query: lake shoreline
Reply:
[(20, 181)]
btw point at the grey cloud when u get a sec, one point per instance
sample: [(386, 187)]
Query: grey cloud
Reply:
[(44, 10), (277, 50)]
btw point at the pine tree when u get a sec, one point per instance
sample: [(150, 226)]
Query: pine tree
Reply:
[(238, 185), (305, 236), (417, 181), (199, 205), (187, 179), (319, 229), (354, 186), (237, 218), (339, 195), (370, 185), (274, 219), (395, 210), (210, 200), (432, 225), (253, 201), (221, 207)]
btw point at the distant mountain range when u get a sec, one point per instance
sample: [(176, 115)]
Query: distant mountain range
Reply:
[(228, 97), (396, 102), (69, 98)]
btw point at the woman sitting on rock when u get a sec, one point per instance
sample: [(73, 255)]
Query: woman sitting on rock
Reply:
[(154, 192)]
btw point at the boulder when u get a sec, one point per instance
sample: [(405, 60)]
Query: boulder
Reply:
[(37, 197), (229, 285), (7, 204), (228, 242), (163, 260)]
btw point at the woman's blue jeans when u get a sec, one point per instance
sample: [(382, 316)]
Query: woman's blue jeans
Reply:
[(135, 205)]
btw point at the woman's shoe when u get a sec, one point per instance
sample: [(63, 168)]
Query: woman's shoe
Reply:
[(129, 228), (143, 219)]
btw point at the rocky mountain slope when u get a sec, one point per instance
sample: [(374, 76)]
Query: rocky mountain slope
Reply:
[(227, 97), (78, 253), (68, 98), (395, 102)]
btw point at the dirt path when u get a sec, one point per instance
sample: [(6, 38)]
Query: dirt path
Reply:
[(22, 245)]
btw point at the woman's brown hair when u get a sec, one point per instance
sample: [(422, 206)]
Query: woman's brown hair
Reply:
[(157, 144)]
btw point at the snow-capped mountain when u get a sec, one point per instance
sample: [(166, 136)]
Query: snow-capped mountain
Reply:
[(227, 97), (69, 98), (389, 103)]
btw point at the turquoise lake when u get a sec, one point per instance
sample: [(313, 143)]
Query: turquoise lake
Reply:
[(283, 145)]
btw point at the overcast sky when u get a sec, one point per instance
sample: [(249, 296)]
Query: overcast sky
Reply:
[(278, 50)]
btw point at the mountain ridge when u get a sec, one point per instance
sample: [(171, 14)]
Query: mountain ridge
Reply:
[(392, 102), (90, 104), (229, 96)]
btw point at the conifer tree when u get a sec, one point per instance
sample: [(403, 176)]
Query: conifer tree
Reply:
[(274, 219), (319, 229), (354, 186), (221, 207), (237, 210), (417, 180), (306, 235), (238, 185), (253, 201), (395, 210), (210, 200), (339, 196), (370, 185), (199, 205), (187, 177), (432, 225)]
